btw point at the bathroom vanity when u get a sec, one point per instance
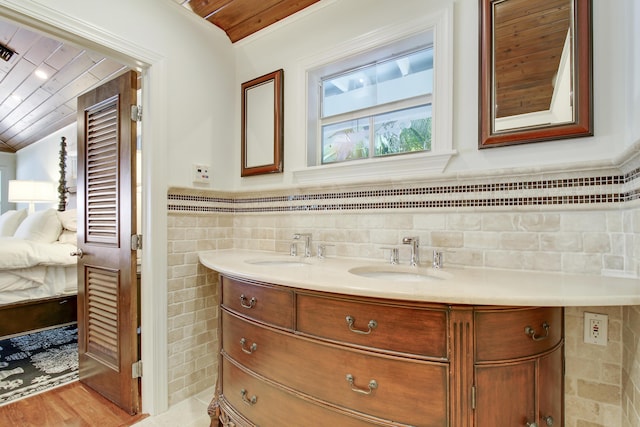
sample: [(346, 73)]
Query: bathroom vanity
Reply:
[(307, 342)]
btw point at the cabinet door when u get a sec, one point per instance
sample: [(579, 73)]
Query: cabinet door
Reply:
[(505, 394), (551, 389)]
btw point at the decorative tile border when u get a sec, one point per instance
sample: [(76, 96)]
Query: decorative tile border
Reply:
[(579, 191)]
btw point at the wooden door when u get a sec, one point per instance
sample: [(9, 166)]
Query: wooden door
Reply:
[(108, 315), (505, 394)]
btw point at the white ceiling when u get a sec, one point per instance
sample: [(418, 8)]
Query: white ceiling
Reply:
[(31, 107)]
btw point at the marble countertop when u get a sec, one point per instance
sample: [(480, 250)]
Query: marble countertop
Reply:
[(451, 285)]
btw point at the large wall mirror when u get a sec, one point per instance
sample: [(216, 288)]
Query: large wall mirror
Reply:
[(262, 124), (535, 71)]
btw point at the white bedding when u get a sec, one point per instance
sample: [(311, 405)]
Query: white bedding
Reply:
[(58, 281), (30, 269), (16, 253)]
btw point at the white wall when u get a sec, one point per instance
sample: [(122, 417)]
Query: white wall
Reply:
[(40, 161), (8, 171), (631, 20), (288, 44), (200, 86)]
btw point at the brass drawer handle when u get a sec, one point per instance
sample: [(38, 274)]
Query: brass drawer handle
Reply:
[(251, 304), (532, 333), (372, 325), (548, 420), (248, 401), (251, 349), (373, 384)]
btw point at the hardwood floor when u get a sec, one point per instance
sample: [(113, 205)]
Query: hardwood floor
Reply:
[(72, 405)]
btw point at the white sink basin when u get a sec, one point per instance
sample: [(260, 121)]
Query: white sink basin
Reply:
[(278, 262), (400, 273)]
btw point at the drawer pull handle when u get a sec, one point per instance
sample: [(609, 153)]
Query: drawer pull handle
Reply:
[(548, 420), (373, 384), (532, 333), (243, 301), (248, 401), (251, 349), (533, 424), (372, 325)]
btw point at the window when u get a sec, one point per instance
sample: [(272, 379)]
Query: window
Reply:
[(377, 110), (384, 110)]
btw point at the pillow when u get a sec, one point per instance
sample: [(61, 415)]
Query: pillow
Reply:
[(43, 226), (68, 236), (69, 219), (10, 220)]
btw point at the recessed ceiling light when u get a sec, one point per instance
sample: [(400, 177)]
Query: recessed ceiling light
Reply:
[(41, 74)]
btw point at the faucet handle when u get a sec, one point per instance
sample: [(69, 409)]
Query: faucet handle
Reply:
[(293, 249), (322, 249), (394, 254), (437, 259)]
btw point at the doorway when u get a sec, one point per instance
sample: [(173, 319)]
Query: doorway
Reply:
[(153, 198)]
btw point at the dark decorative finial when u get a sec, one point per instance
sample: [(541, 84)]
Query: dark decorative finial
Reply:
[(62, 183)]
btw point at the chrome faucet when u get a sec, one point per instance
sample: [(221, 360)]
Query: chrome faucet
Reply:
[(415, 251), (437, 259), (306, 238)]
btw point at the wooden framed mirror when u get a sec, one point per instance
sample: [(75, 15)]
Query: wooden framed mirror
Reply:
[(536, 66), (262, 125)]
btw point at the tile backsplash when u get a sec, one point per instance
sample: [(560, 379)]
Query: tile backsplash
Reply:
[(574, 221)]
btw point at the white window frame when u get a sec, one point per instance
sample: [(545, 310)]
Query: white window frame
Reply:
[(383, 43)]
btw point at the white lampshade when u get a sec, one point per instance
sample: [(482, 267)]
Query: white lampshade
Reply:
[(32, 192)]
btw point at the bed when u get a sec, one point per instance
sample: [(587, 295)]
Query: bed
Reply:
[(38, 274)]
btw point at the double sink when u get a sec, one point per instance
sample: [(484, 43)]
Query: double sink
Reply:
[(389, 272)]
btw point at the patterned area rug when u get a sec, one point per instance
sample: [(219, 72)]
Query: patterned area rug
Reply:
[(34, 363)]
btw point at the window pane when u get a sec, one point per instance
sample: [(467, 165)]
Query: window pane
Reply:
[(403, 131), (345, 141), (392, 80)]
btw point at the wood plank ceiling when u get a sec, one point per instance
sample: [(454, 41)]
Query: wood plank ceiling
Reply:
[(40, 83), (241, 18)]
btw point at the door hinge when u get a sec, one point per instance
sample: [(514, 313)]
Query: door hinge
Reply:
[(473, 397), (136, 242), (136, 113), (136, 369)]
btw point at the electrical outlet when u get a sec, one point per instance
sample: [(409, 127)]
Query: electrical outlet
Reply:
[(201, 174), (596, 328)]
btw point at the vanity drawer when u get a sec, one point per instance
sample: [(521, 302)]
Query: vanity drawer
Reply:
[(512, 333), (399, 329), (255, 346), (264, 303), (408, 391), (404, 390), (273, 407)]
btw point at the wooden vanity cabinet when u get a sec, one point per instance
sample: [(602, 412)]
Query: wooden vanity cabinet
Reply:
[(521, 365), (300, 358)]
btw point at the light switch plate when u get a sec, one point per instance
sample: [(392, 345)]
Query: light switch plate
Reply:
[(201, 174)]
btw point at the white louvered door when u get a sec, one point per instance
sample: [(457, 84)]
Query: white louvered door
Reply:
[(108, 316)]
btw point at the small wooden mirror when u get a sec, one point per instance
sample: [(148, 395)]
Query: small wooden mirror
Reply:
[(262, 125), (535, 71)]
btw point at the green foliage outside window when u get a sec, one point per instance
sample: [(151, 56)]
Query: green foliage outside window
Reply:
[(397, 132), (393, 138)]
